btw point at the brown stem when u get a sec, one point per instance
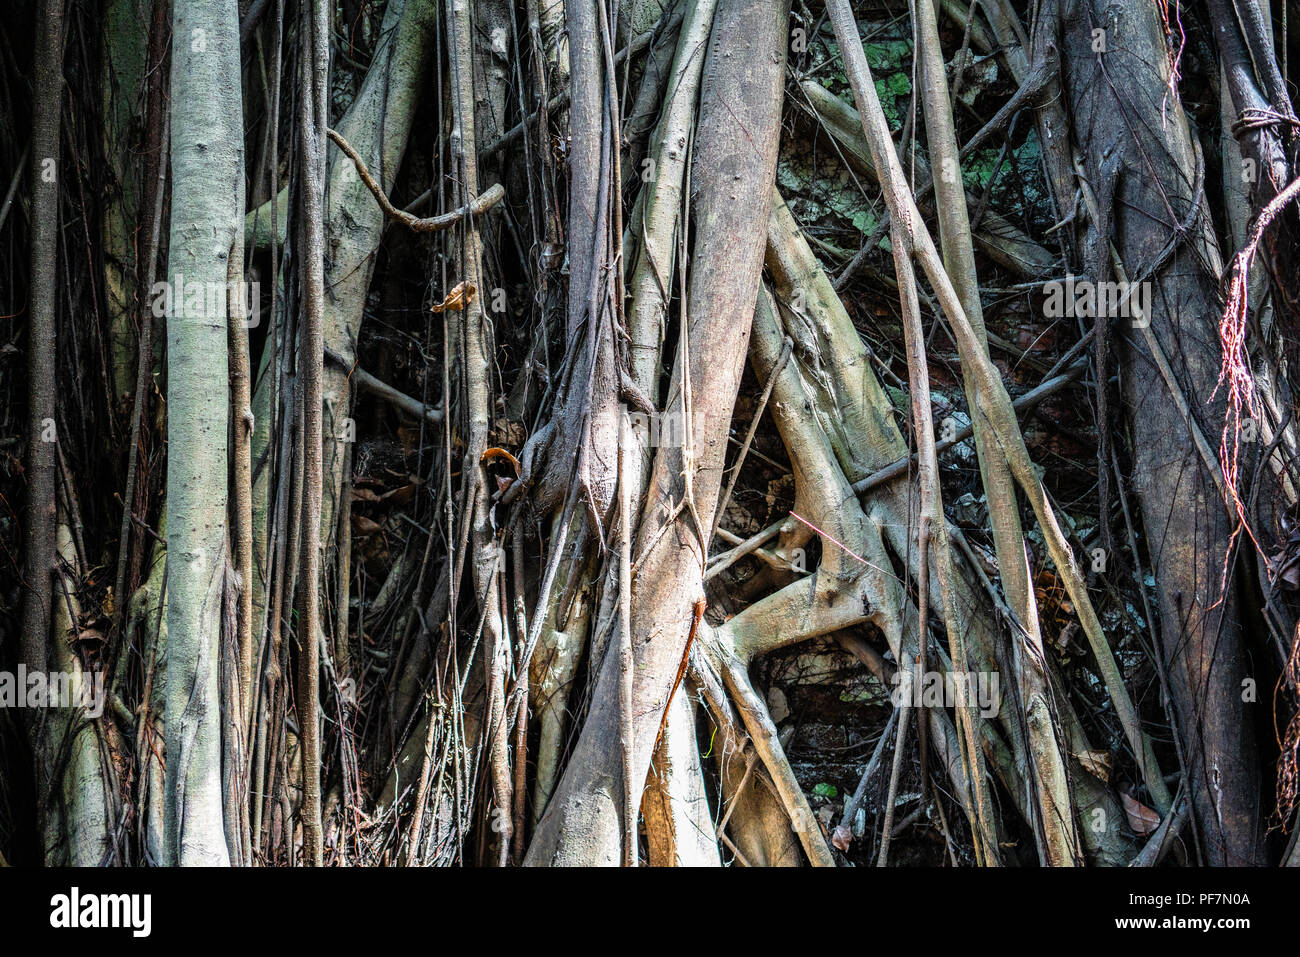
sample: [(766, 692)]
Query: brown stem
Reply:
[(476, 207), (311, 358)]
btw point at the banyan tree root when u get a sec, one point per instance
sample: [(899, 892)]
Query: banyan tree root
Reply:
[(993, 401), (740, 96), (850, 407)]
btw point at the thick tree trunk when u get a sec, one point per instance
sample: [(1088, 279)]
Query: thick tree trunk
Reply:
[(42, 342), (1123, 108), (731, 195), (207, 201), (42, 346)]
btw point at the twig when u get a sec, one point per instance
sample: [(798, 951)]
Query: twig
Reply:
[(845, 831), (900, 747), (476, 207), (13, 184), (368, 383), (900, 467), (1159, 843), (744, 547)]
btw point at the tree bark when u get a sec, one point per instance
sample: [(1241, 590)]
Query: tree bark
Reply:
[(42, 342), (312, 119), (207, 202), (1121, 105), (731, 195)]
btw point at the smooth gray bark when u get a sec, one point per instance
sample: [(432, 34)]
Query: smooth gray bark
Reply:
[(206, 217)]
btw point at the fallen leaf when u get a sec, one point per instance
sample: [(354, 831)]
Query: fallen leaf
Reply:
[(402, 495), (91, 636), (1141, 818), (505, 432), (495, 453), (364, 526), (458, 298), (1096, 763), (409, 436), (842, 837)]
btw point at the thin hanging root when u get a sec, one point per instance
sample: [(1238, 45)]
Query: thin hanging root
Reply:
[(843, 833), (560, 100), (630, 789), (760, 833), (900, 467), (854, 583), (751, 759), (1057, 841), (931, 520), (900, 749), (421, 791), (484, 548), (993, 402), (749, 436), (658, 212), (312, 114), (943, 736)]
